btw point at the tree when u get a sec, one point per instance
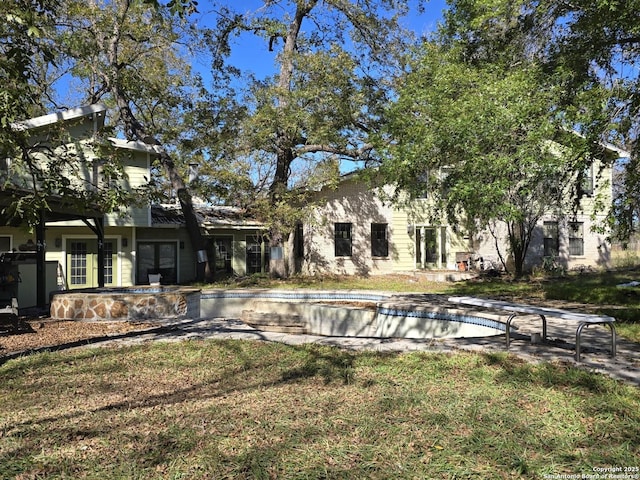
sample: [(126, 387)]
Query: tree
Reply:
[(481, 139), (33, 177), (127, 54), (593, 49), (599, 43), (324, 101)]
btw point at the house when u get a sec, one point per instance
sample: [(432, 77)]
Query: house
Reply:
[(137, 241), (355, 231)]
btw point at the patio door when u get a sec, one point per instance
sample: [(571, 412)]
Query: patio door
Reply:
[(257, 256), (426, 247), (222, 248), (82, 262), (157, 258)]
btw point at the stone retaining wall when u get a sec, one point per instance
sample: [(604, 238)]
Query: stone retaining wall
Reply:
[(133, 304)]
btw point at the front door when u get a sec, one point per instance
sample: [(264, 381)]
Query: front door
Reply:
[(82, 263)]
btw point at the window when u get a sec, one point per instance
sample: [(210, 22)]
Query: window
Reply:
[(343, 240), (108, 262), (78, 263), (379, 240), (587, 181), (550, 239), (576, 239)]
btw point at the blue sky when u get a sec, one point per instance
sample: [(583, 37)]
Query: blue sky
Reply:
[(250, 53)]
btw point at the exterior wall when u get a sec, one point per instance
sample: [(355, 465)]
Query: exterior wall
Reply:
[(137, 172), (57, 239), (597, 249), (356, 203), (240, 239), (410, 222), (186, 268), (136, 169)]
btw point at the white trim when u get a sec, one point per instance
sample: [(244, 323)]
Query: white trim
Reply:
[(135, 145), (65, 115), (10, 236)]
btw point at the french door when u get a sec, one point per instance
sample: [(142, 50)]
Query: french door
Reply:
[(82, 262), (157, 258)]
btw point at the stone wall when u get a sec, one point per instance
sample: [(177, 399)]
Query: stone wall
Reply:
[(138, 303)]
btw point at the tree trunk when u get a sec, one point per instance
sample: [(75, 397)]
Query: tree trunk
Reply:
[(137, 131), (203, 267), (284, 142)]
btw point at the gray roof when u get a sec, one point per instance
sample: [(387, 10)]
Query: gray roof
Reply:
[(209, 216)]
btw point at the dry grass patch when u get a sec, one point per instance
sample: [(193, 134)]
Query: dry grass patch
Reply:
[(232, 409)]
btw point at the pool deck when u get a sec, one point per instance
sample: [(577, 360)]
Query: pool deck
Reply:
[(559, 347)]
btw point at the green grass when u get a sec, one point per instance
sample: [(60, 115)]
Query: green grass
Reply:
[(598, 290), (232, 409)]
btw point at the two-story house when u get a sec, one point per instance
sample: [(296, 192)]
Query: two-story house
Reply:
[(137, 241), (355, 231)]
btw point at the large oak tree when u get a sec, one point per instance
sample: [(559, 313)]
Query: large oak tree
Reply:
[(334, 61)]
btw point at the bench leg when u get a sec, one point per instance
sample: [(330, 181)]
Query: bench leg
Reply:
[(581, 325), (513, 316)]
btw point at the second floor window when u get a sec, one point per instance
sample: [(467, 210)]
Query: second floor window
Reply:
[(587, 181), (379, 240), (576, 239), (343, 240), (550, 239)]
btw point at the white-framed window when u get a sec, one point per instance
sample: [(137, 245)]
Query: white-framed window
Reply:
[(551, 241), (587, 181), (576, 239)]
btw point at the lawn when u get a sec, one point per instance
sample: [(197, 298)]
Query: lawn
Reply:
[(249, 410)]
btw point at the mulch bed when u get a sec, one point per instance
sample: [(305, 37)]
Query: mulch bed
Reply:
[(23, 334)]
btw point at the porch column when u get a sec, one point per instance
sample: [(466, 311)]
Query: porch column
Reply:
[(100, 234), (41, 281)]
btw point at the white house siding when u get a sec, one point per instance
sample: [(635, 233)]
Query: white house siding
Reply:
[(356, 203), (409, 223), (137, 174), (412, 221), (596, 247)]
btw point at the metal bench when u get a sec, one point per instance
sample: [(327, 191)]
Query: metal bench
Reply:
[(583, 319)]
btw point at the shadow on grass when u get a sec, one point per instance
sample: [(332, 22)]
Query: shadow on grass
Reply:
[(523, 374), (84, 342)]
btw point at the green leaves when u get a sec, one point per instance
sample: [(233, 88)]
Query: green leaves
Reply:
[(489, 128)]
